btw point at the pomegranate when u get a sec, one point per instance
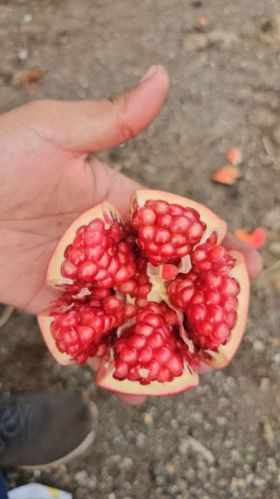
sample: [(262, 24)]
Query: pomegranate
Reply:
[(155, 301)]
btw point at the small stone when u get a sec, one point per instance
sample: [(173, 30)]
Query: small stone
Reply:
[(141, 439), (147, 418), (112, 496), (237, 483), (170, 468), (263, 117), (268, 433), (125, 464), (23, 54), (27, 18), (259, 482), (183, 447), (218, 37), (275, 248), (195, 41), (276, 358), (222, 420), (264, 384), (81, 477), (258, 346)]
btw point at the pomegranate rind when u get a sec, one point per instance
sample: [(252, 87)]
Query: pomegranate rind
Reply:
[(44, 321), (106, 380), (54, 276), (213, 221), (226, 352)]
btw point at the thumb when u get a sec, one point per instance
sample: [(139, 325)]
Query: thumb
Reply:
[(90, 126), (97, 125)]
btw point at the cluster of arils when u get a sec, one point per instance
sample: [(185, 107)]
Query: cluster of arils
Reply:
[(155, 299)]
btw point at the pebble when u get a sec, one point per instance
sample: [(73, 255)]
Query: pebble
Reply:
[(147, 418), (170, 468), (263, 117), (81, 477), (265, 384), (237, 483), (27, 18), (141, 439), (23, 54), (125, 464), (275, 248), (258, 346), (218, 37), (195, 41), (268, 433), (112, 495), (276, 358), (272, 218)]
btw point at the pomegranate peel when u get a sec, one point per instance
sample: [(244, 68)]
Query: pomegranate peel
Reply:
[(226, 175), (154, 302), (225, 353)]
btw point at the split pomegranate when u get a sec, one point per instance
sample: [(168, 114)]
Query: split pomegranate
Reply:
[(156, 300)]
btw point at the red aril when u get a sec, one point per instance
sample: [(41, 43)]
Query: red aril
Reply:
[(156, 299)]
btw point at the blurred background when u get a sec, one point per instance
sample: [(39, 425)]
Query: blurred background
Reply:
[(223, 57)]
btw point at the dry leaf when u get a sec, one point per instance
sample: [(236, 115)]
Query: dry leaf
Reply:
[(226, 175), (26, 79)]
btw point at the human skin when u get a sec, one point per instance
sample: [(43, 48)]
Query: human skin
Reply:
[(49, 176)]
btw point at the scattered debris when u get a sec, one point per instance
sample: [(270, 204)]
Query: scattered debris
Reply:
[(200, 41), (29, 77), (227, 175), (256, 239), (234, 156)]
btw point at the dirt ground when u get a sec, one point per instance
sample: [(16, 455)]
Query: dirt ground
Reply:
[(222, 440)]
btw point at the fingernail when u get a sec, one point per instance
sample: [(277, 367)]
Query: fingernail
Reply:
[(149, 73)]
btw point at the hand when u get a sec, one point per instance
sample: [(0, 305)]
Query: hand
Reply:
[(48, 179)]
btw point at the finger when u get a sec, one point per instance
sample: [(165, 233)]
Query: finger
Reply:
[(102, 124), (252, 257), (89, 126)]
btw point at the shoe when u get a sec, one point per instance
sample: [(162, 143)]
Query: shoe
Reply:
[(44, 429)]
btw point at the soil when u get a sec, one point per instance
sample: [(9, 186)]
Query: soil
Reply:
[(221, 440)]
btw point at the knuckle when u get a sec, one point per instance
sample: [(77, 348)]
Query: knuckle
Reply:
[(123, 123)]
